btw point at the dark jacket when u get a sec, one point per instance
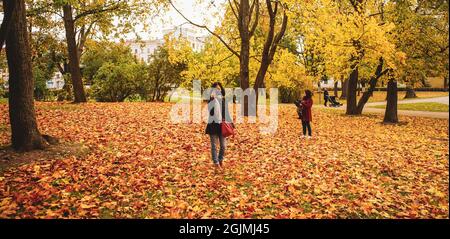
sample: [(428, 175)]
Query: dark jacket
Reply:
[(326, 95), (307, 110), (214, 124)]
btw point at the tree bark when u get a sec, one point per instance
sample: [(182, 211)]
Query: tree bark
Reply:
[(351, 92), (270, 47), (244, 73), (336, 89), (372, 85), (24, 129), (446, 83), (244, 57), (74, 58), (8, 10), (391, 115), (344, 89)]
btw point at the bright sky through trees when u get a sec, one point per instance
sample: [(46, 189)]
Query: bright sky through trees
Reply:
[(192, 9)]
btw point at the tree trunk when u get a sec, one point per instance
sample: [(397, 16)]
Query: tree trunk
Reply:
[(336, 89), (74, 58), (344, 90), (25, 133), (366, 96), (154, 98), (410, 93), (244, 74), (391, 115), (351, 92), (446, 82), (7, 22), (244, 57), (270, 46), (372, 85)]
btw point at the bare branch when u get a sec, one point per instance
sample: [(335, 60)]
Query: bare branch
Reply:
[(279, 35), (255, 23), (106, 8), (207, 29), (232, 9)]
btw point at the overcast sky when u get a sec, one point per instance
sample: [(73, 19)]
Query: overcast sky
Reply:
[(204, 13)]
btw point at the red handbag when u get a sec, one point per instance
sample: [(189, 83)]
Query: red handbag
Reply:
[(227, 129)]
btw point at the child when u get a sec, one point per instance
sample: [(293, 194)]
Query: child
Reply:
[(307, 104)]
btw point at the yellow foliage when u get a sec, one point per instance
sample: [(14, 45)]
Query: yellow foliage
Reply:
[(346, 37)]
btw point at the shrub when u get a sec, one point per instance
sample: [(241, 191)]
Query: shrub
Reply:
[(116, 82)]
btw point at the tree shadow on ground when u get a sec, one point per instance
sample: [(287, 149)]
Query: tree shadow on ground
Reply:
[(10, 158)]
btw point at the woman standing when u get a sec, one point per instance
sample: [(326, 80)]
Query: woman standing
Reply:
[(307, 104), (218, 108)]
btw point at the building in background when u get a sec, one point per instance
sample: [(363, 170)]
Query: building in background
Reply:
[(190, 33), (57, 82), (144, 49)]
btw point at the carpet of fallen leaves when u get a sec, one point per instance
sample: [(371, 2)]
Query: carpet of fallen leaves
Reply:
[(140, 165)]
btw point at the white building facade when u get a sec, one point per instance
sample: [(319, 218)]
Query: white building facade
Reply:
[(191, 34), (144, 50), (55, 83)]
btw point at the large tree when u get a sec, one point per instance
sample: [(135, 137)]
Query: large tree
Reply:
[(273, 38), (352, 37), (24, 129), (82, 19), (246, 15), (391, 114), (74, 56), (422, 33)]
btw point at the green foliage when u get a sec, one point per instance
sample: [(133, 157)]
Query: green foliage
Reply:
[(40, 78), (422, 33), (98, 53), (429, 107), (115, 82), (163, 76), (2, 88), (117, 76), (46, 55), (113, 71)]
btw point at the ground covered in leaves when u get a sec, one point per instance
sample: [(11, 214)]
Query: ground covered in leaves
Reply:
[(137, 164)]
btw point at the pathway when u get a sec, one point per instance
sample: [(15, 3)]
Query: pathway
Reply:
[(426, 114)]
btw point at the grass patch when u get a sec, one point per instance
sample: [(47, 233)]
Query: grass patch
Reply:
[(380, 96), (62, 107), (431, 107)]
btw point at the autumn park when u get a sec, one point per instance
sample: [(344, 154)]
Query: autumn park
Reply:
[(224, 109)]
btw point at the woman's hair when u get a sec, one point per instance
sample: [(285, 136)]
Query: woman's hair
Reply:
[(222, 90), (309, 94)]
